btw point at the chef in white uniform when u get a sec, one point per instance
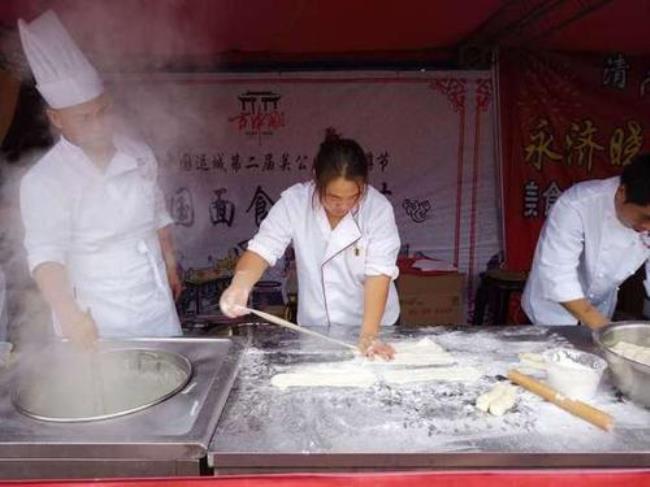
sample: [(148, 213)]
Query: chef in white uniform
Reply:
[(595, 237), (346, 243), (96, 231), (4, 314)]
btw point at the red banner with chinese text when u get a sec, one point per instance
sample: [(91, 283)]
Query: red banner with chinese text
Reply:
[(564, 119)]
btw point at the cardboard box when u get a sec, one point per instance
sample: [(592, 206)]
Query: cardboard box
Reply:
[(431, 299)]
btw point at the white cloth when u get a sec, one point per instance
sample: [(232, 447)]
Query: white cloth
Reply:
[(102, 226), (584, 251), (4, 318), (332, 265), (63, 74)]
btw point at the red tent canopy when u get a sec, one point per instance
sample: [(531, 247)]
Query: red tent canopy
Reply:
[(298, 30)]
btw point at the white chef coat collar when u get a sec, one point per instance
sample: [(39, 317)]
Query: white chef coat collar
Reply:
[(321, 214), (121, 162), (610, 210), (346, 233)]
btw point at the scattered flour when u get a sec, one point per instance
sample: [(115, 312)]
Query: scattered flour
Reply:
[(426, 355), (406, 376)]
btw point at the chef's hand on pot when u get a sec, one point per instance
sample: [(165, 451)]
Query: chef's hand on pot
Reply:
[(80, 329), (371, 347)]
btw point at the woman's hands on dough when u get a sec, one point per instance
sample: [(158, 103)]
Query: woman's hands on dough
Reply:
[(371, 347)]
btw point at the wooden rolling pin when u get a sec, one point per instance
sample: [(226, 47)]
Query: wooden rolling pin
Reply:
[(577, 408), (287, 324)]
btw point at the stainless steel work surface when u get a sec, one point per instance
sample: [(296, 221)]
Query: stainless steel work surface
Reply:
[(419, 425), (176, 429)]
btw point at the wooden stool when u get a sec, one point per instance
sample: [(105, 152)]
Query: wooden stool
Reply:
[(494, 293)]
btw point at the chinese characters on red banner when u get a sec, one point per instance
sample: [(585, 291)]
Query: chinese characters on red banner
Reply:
[(565, 119)]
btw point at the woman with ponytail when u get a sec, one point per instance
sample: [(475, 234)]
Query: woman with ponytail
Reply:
[(346, 243)]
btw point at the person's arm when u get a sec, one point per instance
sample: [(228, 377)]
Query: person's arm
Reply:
[(264, 250), (375, 291), (646, 281), (169, 256), (586, 313), (45, 213), (77, 325), (164, 224), (381, 270), (249, 270), (560, 246)]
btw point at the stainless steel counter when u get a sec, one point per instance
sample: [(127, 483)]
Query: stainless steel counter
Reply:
[(418, 426), (168, 439)]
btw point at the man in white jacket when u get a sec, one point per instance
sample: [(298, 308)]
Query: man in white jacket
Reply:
[(596, 236), (96, 230)]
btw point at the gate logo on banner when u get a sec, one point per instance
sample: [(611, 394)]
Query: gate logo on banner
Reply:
[(260, 114)]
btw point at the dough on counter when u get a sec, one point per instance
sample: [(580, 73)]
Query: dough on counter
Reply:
[(498, 400), (360, 372), (347, 374), (633, 352), (484, 400), (420, 353), (504, 402), (453, 374)]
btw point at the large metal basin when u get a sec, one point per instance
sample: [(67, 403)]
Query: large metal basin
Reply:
[(630, 376), (72, 386)]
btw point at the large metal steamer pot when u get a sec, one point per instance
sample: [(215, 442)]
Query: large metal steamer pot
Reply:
[(631, 377), (65, 385)]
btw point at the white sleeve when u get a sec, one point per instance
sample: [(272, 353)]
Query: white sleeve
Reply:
[(47, 219), (163, 218), (274, 235), (383, 244), (646, 281), (560, 246)]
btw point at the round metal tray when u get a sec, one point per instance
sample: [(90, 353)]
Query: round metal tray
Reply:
[(630, 376), (93, 386)]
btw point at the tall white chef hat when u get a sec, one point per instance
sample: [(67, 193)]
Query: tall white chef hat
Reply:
[(63, 74)]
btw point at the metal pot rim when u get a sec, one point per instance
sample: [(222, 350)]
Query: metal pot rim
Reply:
[(600, 333), (182, 361)]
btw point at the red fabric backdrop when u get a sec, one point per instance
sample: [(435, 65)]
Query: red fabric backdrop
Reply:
[(564, 119)]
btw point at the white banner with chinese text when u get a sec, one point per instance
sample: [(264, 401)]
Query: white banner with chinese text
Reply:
[(229, 145)]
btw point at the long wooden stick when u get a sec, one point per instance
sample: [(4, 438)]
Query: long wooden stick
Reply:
[(287, 324), (577, 408)]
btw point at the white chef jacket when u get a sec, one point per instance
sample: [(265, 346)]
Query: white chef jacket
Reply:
[(332, 265), (102, 226), (4, 320), (584, 251)]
